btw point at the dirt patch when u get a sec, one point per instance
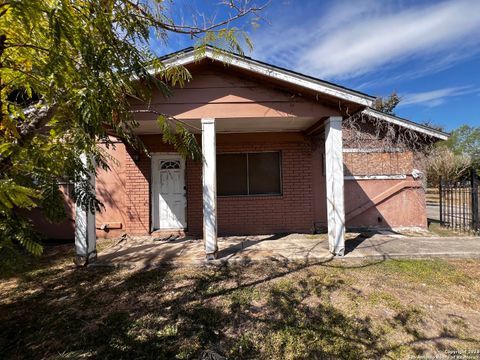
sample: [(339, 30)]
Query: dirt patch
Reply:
[(273, 310)]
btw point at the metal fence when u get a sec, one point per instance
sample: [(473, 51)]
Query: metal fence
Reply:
[(459, 204)]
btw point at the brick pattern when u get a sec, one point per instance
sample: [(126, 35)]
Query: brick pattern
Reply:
[(291, 211), (137, 185), (137, 188), (378, 163)]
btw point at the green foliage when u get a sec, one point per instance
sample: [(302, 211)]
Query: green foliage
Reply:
[(387, 105), (67, 72), (178, 136), (12, 194), (52, 203), (16, 230), (225, 39), (84, 195), (452, 159), (466, 141)]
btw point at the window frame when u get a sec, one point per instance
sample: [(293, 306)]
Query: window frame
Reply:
[(280, 165)]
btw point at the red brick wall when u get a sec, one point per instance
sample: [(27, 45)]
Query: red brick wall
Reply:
[(137, 183), (193, 179), (137, 178), (378, 163), (292, 211)]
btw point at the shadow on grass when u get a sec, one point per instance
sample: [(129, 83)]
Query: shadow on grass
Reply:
[(234, 311)]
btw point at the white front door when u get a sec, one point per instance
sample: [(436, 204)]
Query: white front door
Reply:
[(169, 196)]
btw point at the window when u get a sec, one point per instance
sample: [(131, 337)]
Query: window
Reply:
[(249, 174), (173, 164)]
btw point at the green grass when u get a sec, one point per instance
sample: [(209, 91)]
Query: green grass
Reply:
[(438, 272), (332, 310), (438, 230), (386, 299)]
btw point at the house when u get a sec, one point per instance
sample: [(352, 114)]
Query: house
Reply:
[(275, 160)]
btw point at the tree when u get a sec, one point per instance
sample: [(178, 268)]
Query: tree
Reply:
[(67, 71), (443, 162), (387, 105), (465, 140), (451, 159), (433, 125)]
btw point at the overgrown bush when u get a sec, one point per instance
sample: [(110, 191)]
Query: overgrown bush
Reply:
[(443, 162)]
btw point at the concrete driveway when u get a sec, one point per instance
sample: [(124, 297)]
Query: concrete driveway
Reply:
[(413, 247), (145, 252), (433, 212)]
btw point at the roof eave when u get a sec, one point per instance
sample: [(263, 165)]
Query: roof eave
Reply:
[(189, 56), (406, 124)]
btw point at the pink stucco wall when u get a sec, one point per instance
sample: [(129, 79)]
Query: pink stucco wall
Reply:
[(404, 208), (112, 191), (62, 231), (225, 93)]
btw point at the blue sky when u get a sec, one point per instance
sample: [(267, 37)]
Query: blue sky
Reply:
[(427, 51)]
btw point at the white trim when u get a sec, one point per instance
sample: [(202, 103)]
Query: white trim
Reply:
[(209, 188), (375, 177), (189, 56), (85, 228), (373, 150), (335, 185), (320, 86), (405, 123), (153, 178)]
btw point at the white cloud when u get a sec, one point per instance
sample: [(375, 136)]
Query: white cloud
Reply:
[(435, 97), (351, 40)]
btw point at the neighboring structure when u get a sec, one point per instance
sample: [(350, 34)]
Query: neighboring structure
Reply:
[(274, 160)]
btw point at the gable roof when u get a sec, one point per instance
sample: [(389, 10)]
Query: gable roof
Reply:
[(189, 55)]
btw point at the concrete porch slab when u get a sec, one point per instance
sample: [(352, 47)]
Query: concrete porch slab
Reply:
[(146, 252)]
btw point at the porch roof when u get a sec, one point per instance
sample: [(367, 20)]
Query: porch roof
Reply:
[(240, 125)]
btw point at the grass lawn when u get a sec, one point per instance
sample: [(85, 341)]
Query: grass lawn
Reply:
[(437, 230), (270, 310)]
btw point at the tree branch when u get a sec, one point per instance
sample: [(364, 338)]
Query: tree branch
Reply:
[(31, 46), (196, 30), (37, 119)]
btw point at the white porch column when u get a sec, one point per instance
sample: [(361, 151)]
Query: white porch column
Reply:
[(334, 182), (85, 237), (209, 188)]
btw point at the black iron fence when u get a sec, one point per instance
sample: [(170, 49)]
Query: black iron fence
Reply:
[(459, 203)]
